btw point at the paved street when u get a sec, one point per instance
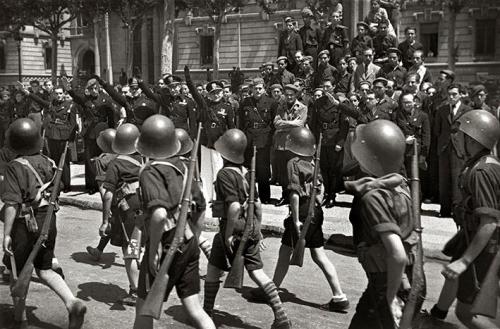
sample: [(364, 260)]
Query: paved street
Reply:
[(101, 284)]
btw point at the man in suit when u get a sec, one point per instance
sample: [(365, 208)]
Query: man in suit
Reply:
[(449, 163), (366, 71), (420, 68), (409, 46)]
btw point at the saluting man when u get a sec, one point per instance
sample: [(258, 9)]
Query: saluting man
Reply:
[(256, 117)]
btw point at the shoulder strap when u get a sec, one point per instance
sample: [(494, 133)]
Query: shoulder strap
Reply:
[(43, 186), (184, 176), (242, 172), (129, 159)]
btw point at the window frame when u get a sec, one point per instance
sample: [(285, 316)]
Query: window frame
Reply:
[(47, 58), (206, 34), (429, 59), (484, 56)]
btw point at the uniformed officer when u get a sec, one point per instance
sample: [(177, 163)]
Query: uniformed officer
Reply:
[(415, 125), (256, 117), (120, 191), (478, 95), (161, 185), (307, 74), (392, 70), (328, 120), (335, 39), (232, 188), (217, 116), (24, 214), (290, 113), (60, 126), (382, 223), (477, 133), (98, 113)]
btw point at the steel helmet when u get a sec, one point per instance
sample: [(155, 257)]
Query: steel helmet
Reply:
[(158, 139), (105, 140), (143, 109), (379, 147), (231, 145), (301, 141), (126, 136), (23, 137), (481, 126), (185, 140)]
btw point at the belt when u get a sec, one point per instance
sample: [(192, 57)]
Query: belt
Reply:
[(311, 46), (59, 121), (326, 125), (258, 125)]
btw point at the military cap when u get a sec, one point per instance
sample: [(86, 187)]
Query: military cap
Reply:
[(477, 89), (307, 59), (214, 86), (172, 79), (276, 86), (269, 64), (318, 89), (282, 58), (365, 82), (133, 82), (383, 80), (366, 26), (92, 82), (352, 58), (288, 19), (225, 83), (257, 81), (292, 87), (448, 73), (324, 52), (394, 50), (307, 12)]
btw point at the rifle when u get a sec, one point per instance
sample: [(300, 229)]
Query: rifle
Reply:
[(298, 251), (417, 292), (234, 278), (154, 300), (20, 288), (486, 300)]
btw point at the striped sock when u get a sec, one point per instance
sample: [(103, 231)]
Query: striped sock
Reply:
[(274, 301), (211, 289)]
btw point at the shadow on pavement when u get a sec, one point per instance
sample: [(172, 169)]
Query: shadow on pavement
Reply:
[(7, 318), (341, 244), (425, 321), (106, 293), (220, 318), (287, 296), (107, 259)]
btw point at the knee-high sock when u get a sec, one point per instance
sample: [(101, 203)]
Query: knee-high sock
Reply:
[(274, 300), (211, 289)]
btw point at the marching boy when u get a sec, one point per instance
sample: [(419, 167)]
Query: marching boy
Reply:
[(25, 213), (301, 143), (161, 185), (232, 188)]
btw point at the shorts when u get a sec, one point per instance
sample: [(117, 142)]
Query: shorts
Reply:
[(222, 260), (118, 237), (314, 235), (183, 273), (24, 241), (467, 291)]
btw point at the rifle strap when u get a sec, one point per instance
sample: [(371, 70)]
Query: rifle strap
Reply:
[(242, 172), (129, 159), (43, 186)]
